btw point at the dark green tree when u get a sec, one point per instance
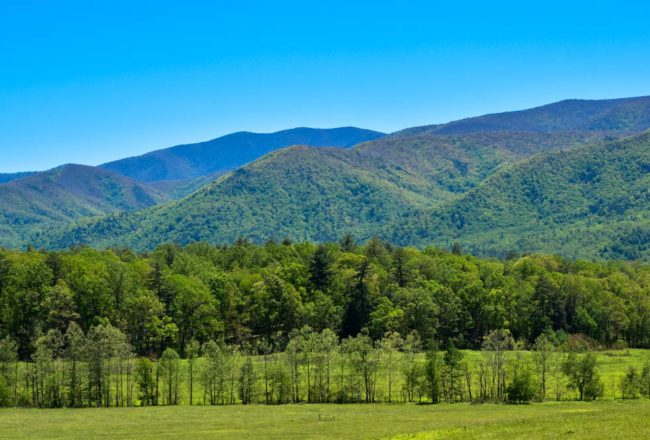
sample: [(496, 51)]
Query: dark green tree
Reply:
[(357, 313), (320, 268)]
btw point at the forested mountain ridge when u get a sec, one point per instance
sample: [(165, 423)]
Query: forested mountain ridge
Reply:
[(588, 202), (625, 114), (41, 201), (320, 193), (229, 152), (67, 193), (9, 177), (404, 186)]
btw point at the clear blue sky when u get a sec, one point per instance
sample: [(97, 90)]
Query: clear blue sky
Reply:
[(88, 82)]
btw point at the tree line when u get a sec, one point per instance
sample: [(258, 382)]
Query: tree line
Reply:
[(100, 369), (253, 299)]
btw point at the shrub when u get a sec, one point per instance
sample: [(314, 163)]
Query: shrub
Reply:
[(522, 388), (630, 384), (5, 393), (581, 343)]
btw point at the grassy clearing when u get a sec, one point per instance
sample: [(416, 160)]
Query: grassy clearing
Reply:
[(573, 420)]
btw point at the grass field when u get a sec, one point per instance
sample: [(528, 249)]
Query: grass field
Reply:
[(571, 420)]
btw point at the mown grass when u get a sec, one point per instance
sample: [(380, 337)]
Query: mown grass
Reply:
[(571, 420)]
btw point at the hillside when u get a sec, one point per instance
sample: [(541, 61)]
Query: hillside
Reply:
[(421, 187), (54, 198), (590, 202), (626, 115), (9, 177), (59, 196), (218, 156), (321, 193)]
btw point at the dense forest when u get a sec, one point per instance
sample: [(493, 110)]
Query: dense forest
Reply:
[(100, 308), (52, 199), (482, 189), (319, 194), (245, 293), (586, 202)]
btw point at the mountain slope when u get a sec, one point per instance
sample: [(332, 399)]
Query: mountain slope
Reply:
[(588, 202), (627, 115), (321, 193), (9, 177), (423, 188), (229, 152), (62, 195)]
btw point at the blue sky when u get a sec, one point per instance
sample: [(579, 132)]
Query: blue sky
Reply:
[(88, 82)]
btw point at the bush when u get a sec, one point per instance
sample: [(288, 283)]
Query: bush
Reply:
[(522, 388), (5, 392), (630, 384), (581, 343), (644, 381), (594, 389)]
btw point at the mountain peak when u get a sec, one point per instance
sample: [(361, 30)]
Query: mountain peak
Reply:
[(229, 152), (623, 115)]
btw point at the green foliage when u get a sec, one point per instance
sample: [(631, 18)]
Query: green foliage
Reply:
[(588, 202), (321, 194), (214, 373), (54, 198), (468, 182), (8, 354), (145, 381), (247, 381), (433, 375), (262, 298), (630, 383), (246, 293), (582, 375), (5, 393), (644, 380), (453, 373), (521, 389), (170, 371)]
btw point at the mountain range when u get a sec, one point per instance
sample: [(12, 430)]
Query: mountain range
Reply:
[(586, 202), (59, 196), (569, 178), (218, 156), (45, 201)]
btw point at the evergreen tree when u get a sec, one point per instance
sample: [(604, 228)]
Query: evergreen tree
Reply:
[(357, 313), (320, 268)]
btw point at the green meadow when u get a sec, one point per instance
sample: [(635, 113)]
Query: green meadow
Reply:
[(572, 420)]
